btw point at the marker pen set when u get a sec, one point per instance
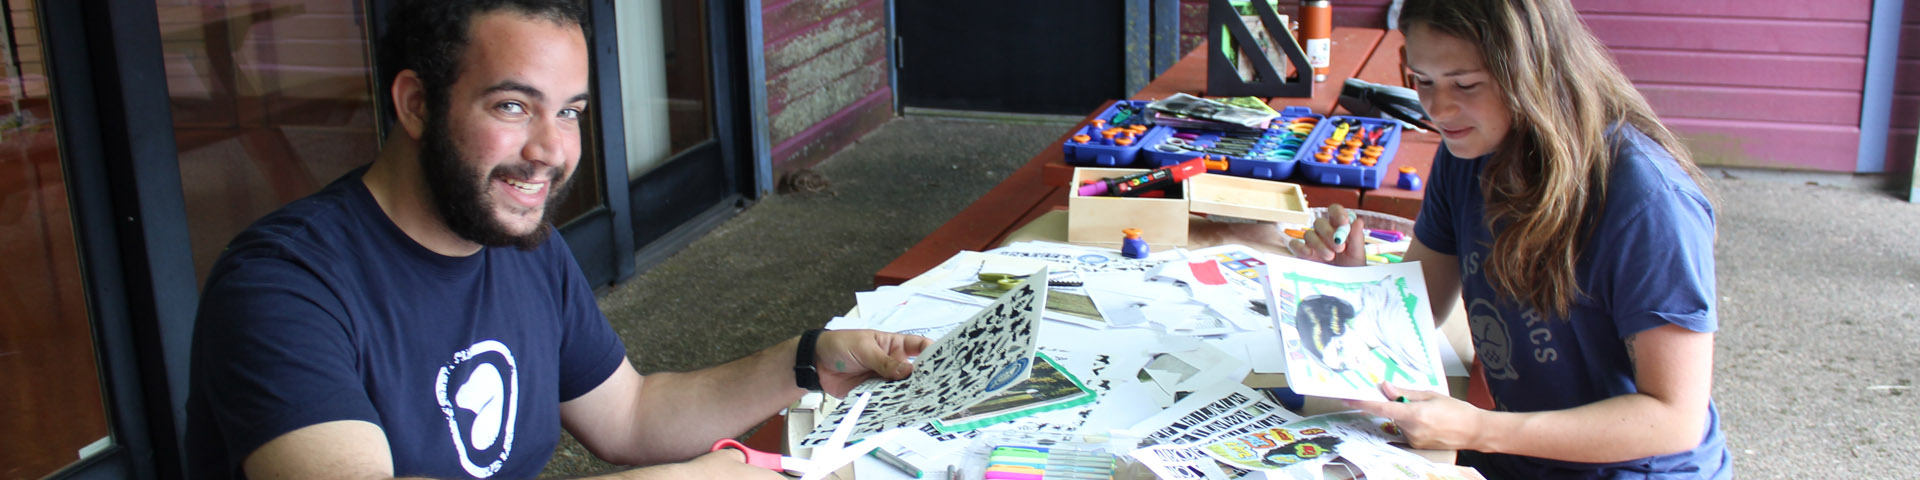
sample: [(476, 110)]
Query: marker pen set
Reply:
[(1138, 185), (1014, 462), (1269, 154)]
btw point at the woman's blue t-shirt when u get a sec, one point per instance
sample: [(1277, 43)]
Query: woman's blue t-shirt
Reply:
[(1648, 263)]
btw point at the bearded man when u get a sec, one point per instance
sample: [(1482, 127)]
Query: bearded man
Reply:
[(418, 318)]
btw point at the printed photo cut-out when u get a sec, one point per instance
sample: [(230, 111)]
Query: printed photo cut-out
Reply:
[(1308, 442), (986, 355), (1069, 303), (1345, 330)]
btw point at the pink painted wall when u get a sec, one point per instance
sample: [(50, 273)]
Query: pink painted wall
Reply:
[(826, 64), (1751, 83), (1772, 84)]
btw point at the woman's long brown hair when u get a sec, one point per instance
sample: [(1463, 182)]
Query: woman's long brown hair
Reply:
[(1547, 181)]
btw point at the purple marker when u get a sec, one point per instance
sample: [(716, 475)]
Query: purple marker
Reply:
[(1388, 235), (1094, 189)]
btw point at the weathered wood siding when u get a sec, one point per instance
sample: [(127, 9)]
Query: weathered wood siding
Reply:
[(826, 64), (1750, 83), (1771, 84)]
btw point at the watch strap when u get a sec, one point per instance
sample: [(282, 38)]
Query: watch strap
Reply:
[(805, 375)]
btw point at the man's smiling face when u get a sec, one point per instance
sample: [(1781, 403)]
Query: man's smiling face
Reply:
[(505, 147)]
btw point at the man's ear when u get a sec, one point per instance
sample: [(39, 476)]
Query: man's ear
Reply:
[(410, 103)]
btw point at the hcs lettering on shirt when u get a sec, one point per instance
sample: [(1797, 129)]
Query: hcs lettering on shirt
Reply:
[(326, 311)]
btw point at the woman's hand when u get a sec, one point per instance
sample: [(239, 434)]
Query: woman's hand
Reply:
[(1430, 420), (1323, 245)]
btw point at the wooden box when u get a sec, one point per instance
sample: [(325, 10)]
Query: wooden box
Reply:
[(1098, 220), (1249, 198), (1163, 221)]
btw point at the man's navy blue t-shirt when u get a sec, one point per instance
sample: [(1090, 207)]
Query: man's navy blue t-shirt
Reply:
[(325, 310), (1648, 263)]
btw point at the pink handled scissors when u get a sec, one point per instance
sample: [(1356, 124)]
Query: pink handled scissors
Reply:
[(827, 458), (767, 460)]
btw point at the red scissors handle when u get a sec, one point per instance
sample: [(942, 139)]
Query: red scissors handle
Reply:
[(770, 461)]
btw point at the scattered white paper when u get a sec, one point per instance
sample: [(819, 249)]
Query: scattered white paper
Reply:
[(1078, 258), (1210, 411), (1257, 348), (881, 302), (1188, 365), (1385, 462), (1192, 335)]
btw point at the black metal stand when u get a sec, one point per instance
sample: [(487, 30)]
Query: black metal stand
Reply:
[(1223, 80)]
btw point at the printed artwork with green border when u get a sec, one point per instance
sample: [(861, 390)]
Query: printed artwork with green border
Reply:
[(1049, 387)]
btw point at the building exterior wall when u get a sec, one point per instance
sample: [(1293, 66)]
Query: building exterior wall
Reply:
[(1769, 84), (827, 76), (1765, 83)]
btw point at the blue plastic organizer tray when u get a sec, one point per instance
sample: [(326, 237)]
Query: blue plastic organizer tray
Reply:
[(1351, 174), (1267, 155), (1097, 150)]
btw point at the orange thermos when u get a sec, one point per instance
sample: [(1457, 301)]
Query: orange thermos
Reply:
[(1316, 27)]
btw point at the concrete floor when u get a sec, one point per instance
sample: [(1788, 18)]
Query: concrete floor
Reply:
[(1816, 357)]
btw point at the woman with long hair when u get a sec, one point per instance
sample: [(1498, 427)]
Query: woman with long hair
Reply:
[(1575, 228)]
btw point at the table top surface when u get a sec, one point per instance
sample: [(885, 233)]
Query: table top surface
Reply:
[(1369, 54), (1039, 187)]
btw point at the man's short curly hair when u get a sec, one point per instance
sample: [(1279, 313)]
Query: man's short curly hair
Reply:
[(429, 37)]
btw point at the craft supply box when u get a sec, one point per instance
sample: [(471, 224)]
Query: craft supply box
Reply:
[(1100, 152), (1353, 174), (1158, 154), (1163, 221)]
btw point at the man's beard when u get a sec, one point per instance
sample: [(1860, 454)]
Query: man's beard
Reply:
[(460, 192)]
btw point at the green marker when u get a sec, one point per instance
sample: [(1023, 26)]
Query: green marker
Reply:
[(895, 461), (1340, 234)]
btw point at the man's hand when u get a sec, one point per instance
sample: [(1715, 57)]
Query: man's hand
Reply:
[(845, 358), (726, 463)]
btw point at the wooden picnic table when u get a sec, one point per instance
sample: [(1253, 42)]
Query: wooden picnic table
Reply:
[(1039, 186)]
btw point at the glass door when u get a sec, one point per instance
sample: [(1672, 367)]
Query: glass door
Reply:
[(686, 163), (271, 100), (665, 80), (47, 351)]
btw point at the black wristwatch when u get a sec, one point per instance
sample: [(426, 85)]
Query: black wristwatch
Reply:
[(804, 374)]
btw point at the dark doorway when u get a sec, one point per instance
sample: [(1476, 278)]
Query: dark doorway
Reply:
[(1055, 57)]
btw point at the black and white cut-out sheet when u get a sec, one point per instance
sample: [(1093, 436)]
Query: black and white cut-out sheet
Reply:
[(988, 353)]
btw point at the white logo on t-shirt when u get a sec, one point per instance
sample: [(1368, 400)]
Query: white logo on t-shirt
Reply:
[(480, 402), (1492, 344)]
